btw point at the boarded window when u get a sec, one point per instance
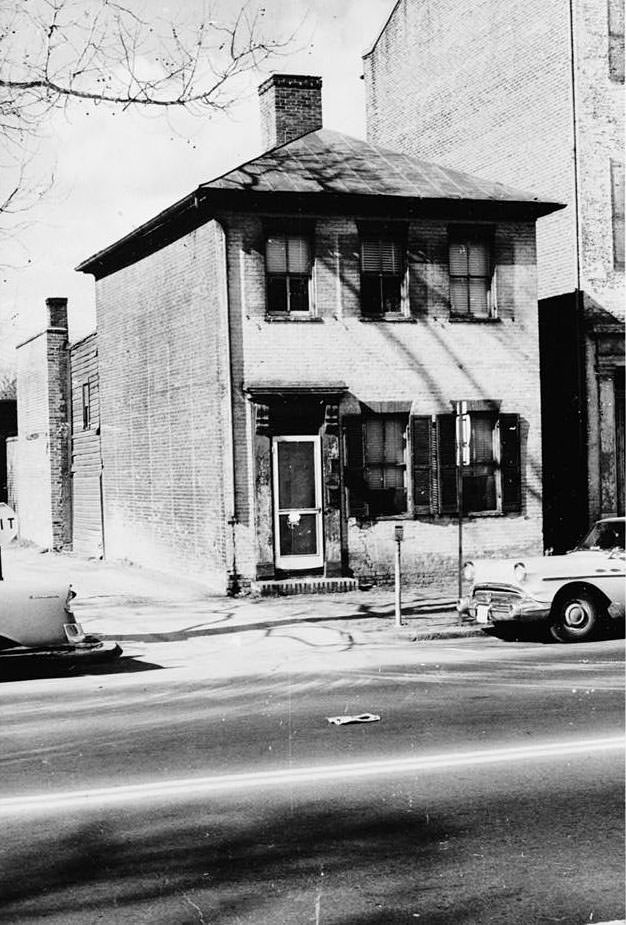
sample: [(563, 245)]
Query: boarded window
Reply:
[(470, 274), (288, 273), (616, 40), (617, 209)]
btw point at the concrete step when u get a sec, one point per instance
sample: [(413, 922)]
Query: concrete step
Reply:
[(305, 585)]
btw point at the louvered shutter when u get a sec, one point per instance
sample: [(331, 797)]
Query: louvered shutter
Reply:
[(298, 255), (353, 466), (510, 463), (446, 448), (422, 449), (276, 255), (381, 255)]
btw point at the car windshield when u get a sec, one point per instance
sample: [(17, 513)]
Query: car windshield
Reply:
[(607, 535)]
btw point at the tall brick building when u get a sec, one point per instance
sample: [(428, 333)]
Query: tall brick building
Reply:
[(532, 92), (279, 354)]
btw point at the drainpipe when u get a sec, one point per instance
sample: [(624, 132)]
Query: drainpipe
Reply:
[(579, 319), (233, 584)]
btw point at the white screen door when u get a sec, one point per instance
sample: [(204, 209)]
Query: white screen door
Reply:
[(297, 476)]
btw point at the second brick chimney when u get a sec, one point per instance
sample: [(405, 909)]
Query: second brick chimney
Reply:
[(291, 106)]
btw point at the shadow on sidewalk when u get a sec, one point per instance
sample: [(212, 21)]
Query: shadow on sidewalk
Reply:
[(222, 628)]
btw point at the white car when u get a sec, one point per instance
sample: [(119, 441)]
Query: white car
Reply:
[(36, 619), (574, 593)]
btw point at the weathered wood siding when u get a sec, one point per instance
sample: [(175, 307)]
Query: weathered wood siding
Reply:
[(86, 456)]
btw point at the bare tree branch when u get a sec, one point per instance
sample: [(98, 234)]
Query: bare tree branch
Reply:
[(57, 52)]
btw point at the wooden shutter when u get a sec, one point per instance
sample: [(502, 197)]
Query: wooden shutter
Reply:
[(422, 450), (446, 449), (510, 463), (353, 466)]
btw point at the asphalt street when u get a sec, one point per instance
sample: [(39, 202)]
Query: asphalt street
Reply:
[(168, 789)]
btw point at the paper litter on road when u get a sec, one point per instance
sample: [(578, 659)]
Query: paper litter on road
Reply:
[(360, 718)]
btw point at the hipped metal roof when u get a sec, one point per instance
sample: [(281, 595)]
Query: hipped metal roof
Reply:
[(328, 172)]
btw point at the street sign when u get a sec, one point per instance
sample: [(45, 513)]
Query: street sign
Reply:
[(8, 524)]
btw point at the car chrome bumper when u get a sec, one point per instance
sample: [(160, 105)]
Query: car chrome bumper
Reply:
[(487, 606), (91, 649)]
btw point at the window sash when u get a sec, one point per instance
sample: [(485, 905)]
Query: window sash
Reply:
[(470, 277), (382, 256), (287, 254), (379, 482), (288, 268), (86, 397)]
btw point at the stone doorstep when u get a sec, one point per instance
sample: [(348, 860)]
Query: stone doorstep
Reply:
[(290, 586)]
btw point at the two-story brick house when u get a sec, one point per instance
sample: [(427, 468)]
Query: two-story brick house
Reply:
[(280, 353), (533, 92)]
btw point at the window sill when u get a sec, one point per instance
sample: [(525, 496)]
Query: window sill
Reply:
[(471, 319), (394, 319), (291, 319)]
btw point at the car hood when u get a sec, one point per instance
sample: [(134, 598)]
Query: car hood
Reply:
[(577, 564)]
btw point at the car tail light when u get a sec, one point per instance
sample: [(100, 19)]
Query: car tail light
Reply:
[(519, 570), (469, 571), (74, 633)]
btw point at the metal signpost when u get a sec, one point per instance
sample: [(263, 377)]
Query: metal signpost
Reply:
[(462, 433), (8, 529), (399, 536)]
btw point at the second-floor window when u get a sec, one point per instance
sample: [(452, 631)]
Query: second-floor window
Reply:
[(470, 274), (86, 406), (382, 274), (288, 274)]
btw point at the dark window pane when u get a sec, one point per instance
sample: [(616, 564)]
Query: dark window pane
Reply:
[(296, 475), (277, 294), (391, 289), (370, 295), (479, 492), (298, 294), (298, 534), (387, 501)]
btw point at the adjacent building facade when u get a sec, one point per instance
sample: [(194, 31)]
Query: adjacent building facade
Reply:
[(532, 93)]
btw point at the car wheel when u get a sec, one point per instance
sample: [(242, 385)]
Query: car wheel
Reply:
[(576, 618)]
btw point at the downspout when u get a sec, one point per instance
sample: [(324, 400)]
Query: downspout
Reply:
[(579, 297), (230, 505), (575, 143)]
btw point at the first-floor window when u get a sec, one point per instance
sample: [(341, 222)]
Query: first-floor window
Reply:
[(396, 465), (377, 462)]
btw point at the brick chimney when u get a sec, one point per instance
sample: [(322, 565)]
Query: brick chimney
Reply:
[(291, 106), (57, 313)]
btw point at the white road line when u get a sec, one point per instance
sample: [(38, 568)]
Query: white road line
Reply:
[(205, 786)]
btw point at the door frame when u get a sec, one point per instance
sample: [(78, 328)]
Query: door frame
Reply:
[(299, 563)]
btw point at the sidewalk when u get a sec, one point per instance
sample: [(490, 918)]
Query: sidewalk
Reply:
[(131, 604)]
